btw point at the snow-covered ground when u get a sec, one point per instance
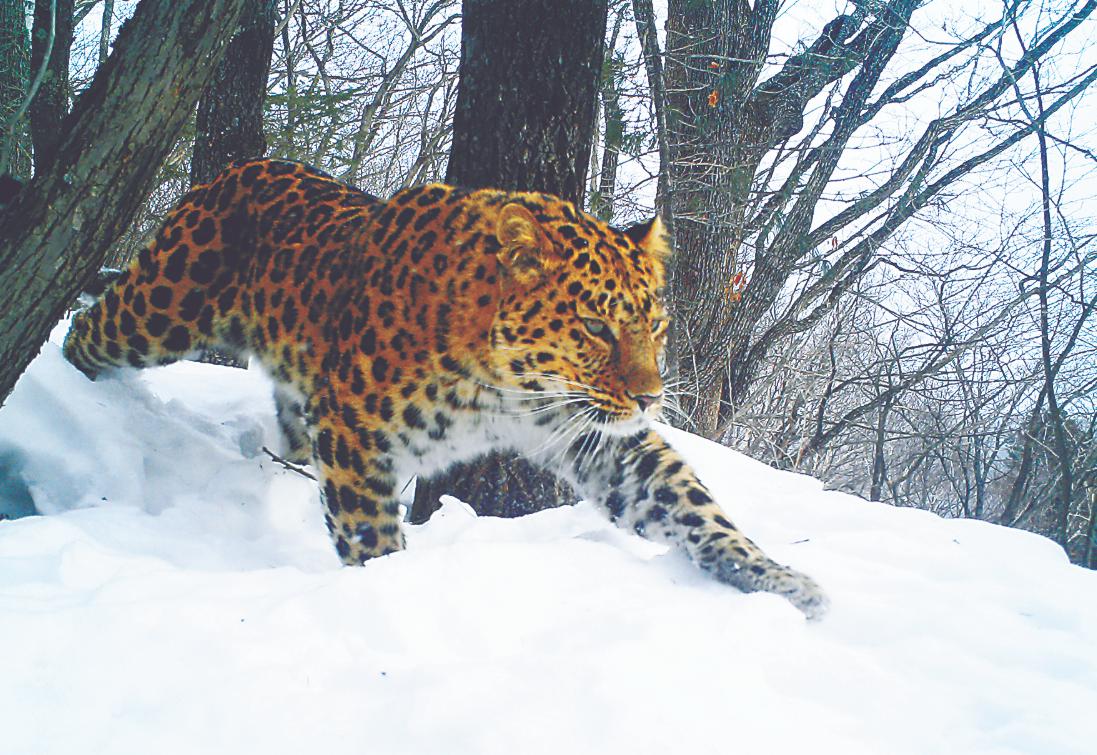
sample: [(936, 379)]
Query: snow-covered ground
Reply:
[(180, 595)]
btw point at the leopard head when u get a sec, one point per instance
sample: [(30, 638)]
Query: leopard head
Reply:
[(581, 317)]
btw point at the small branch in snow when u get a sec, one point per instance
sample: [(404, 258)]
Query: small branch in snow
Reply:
[(288, 464)]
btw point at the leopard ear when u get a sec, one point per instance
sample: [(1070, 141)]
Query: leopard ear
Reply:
[(651, 236), (523, 243)]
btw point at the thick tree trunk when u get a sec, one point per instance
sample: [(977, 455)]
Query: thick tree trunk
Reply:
[(229, 124), (721, 123), (525, 102), (51, 102), (713, 60), (61, 226), (524, 121), (14, 57)]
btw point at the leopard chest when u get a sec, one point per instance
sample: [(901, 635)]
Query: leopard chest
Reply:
[(429, 436)]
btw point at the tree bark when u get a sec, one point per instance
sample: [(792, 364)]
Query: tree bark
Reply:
[(524, 121), (714, 56), (104, 31), (229, 124), (59, 229), (527, 92), (51, 103), (14, 67)]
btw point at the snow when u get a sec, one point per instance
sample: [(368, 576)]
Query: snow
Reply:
[(179, 595)]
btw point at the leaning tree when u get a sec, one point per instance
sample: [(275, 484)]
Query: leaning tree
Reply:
[(58, 230)]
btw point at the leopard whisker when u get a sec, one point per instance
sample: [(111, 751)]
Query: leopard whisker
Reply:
[(592, 458), (588, 421), (678, 412), (549, 407), (561, 431), (588, 450), (558, 379), (508, 389)]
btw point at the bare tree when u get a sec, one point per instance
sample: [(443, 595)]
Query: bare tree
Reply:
[(424, 23), (750, 164), (359, 85)]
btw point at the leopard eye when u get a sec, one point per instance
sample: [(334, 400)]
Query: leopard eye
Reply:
[(657, 325), (598, 328)]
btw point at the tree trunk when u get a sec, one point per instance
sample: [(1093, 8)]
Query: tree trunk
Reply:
[(1065, 487), (602, 205), (525, 101), (51, 102), (644, 14), (56, 234), (14, 54), (1020, 486), (713, 59), (605, 188), (104, 31), (1090, 561), (524, 121), (229, 124), (879, 465), (721, 123)]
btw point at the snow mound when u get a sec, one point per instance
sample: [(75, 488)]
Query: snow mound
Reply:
[(179, 595)]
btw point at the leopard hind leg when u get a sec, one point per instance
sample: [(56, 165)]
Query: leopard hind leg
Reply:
[(291, 421), (172, 301), (123, 329)]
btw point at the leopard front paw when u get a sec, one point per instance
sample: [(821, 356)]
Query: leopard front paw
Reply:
[(796, 587), (769, 576)]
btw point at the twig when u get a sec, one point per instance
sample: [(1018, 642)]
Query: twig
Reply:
[(288, 464), (289, 14)]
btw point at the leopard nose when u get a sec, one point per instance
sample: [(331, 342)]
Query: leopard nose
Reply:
[(645, 400)]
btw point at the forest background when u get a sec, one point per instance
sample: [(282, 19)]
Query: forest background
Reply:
[(886, 268)]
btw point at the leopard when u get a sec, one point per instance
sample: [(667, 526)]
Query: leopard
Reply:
[(405, 335)]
